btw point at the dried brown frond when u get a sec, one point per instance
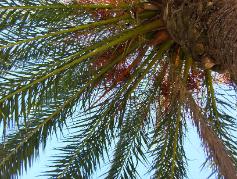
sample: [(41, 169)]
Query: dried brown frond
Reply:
[(213, 145), (160, 37)]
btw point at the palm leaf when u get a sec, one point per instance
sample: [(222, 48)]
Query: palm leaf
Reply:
[(110, 74)]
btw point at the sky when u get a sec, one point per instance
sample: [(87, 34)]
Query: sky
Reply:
[(194, 152), (192, 145)]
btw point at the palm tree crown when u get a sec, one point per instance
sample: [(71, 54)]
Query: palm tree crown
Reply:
[(109, 71)]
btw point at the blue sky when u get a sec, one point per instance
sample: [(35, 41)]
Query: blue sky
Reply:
[(194, 151)]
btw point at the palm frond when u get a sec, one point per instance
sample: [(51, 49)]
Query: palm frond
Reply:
[(110, 74), (222, 157), (51, 116), (105, 116), (37, 30), (168, 134), (49, 75)]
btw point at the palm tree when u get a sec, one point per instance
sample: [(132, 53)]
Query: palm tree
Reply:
[(123, 76)]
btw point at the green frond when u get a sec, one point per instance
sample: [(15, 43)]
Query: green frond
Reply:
[(104, 116), (109, 74), (222, 158), (170, 160), (167, 144), (32, 35), (48, 75), (129, 151), (39, 4), (217, 115), (40, 130), (70, 30)]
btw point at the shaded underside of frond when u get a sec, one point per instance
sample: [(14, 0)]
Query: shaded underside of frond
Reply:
[(113, 77), (40, 96)]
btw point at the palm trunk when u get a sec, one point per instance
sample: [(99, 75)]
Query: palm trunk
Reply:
[(206, 30)]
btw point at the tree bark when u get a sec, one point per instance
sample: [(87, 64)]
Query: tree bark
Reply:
[(205, 29)]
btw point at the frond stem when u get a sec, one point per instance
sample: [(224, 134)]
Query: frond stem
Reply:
[(212, 92), (81, 27), (120, 38), (163, 49), (72, 6), (175, 142), (57, 112)]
